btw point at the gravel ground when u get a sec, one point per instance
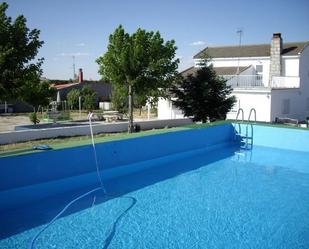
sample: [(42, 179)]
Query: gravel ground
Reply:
[(8, 122)]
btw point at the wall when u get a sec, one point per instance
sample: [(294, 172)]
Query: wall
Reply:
[(27, 178), (259, 99), (233, 62), (296, 106), (166, 110), (33, 176), (299, 108), (27, 135), (304, 79), (290, 66), (280, 138)]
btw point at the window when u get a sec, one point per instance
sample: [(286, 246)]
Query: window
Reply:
[(286, 106), (259, 69)]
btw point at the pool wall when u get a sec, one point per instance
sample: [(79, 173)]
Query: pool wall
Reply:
[(30, 177), (281, 138)]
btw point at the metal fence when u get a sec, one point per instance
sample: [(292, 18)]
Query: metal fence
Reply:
[(244, 81), (256, 81)]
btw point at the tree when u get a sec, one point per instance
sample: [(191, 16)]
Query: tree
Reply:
[(73, 98), (203, 95), (141, 63), (18, 47), (37, 93), (88, 98), (119, 98)]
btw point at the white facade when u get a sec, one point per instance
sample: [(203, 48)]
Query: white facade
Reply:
[(260, 100), (293, 103), (166, 110), (284, 96)]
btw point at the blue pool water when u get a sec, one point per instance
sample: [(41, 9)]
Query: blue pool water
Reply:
[(221, 197)]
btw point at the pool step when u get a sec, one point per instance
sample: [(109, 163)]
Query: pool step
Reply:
[(244, 141)]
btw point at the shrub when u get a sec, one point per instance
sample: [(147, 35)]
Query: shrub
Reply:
[(34, 118)]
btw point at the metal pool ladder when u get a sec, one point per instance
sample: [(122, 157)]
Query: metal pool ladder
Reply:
[(246, 141), (240, 110)]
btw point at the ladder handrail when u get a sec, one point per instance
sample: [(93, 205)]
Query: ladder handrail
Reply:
[(254, 111), (251, 126), (246, 137), (242, 114), (242, 118)]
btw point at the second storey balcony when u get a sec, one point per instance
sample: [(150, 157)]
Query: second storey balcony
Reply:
[(258, 82)]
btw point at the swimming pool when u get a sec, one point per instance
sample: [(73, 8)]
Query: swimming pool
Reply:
[(189, 189)]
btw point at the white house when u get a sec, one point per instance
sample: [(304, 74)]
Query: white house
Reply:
[(272, 78)]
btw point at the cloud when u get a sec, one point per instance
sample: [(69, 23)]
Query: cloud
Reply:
[(197, 43), (77, 54), (81, 44)]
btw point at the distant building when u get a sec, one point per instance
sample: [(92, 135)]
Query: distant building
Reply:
[(272, 78), (102, 89)]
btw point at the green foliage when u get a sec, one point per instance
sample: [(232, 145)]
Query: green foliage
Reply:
[(34, 118), (88, 98), (120, 99), (141, 63), (73, 99), (18, 47), (204, 95), (37, 93)]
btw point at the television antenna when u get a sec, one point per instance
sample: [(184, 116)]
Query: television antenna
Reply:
[(240, 33), (74, 74)]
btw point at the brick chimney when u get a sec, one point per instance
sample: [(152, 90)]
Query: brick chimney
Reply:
[(80, 76), (275, 56)]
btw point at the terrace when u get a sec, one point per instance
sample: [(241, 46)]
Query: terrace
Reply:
[(258, 81)]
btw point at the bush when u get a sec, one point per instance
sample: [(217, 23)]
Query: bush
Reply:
[(72, 98), (34, 118), (88, 98)]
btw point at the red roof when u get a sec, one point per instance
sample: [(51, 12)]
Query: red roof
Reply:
[(63, 86)]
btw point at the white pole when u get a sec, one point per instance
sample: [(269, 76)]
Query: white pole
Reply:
[(80, 106), (5, 107), (171, 103), (148, 109)]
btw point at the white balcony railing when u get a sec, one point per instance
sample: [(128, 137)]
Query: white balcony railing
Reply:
[(257, 81), (285, 82), (244, 81)]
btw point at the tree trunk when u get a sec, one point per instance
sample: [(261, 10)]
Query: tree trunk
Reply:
[(130, 124)]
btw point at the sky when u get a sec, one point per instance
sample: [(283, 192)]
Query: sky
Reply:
[(81, 28)]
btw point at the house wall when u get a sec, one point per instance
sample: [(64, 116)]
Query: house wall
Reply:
[(279, 96), (290, 66), (103, 90), (166, 110), (304, 79), (243, 62), (298, 98), (268, 103), (259, 100)]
